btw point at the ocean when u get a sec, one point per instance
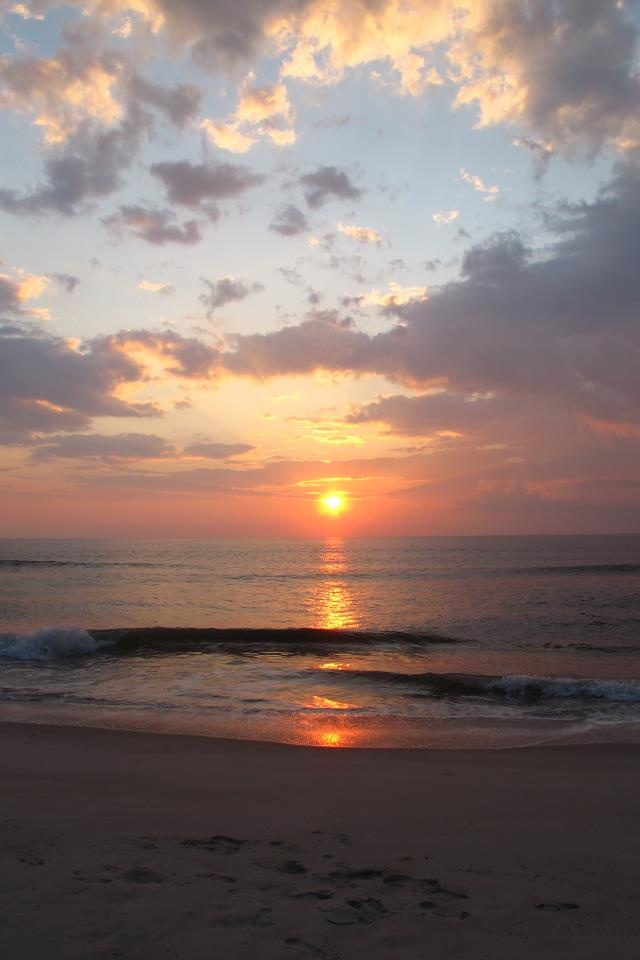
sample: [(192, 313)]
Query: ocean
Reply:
[(444, 642)]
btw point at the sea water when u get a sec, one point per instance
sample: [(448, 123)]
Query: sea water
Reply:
[(446, 642)]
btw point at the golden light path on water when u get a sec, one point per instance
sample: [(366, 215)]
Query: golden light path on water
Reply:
[(334, 608)]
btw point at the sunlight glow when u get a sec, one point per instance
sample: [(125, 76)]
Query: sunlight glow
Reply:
[(330, 738), (333, 503)]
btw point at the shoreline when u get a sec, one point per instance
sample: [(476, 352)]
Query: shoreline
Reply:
[(342, 733), (133, 845)]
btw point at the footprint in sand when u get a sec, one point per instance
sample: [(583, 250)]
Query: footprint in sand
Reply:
[(313, 895), (309, 948), (263, 918), (366, 911), (556, 906), (141, 875), (216, 876), (292, 866), (432, 905), (217, 844), (433, 886), (343, 838), (350, 876)]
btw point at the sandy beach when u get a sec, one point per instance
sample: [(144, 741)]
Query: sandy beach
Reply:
[(118, 844)]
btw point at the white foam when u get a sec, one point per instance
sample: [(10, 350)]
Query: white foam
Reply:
[(613, 690), (50, 643)]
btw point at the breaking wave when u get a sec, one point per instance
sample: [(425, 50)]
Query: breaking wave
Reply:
[(50, 643), (53, 643), (516, 687)]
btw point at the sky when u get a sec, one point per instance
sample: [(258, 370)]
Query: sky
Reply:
[(254, 253)]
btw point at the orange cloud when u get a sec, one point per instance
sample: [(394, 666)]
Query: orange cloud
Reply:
[(262, 112)]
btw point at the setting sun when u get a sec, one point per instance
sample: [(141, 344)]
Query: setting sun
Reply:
[(333, 503)]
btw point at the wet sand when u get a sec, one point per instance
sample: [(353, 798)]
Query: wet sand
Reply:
[(118, 844)]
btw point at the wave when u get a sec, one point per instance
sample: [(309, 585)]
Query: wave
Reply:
[(53, 643), (21, 562), (50, 643), (599, 568), (507, 686)]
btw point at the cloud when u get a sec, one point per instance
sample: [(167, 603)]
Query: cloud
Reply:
[(361, 234), (489, 194), (564, 72), (227, 136), (67, 281), (48, 385), (396, 296), (227, 290), (190, 184), (289, 221), (22, 10), (153, 286), (64, 91), (216, 451), (103, 447), (94, 109), (327, 183), (286, 476), (90, 166), (439, 412), (183, 356), (262, 112), (541, 153), (87, 82), (326, 39), (334, 120), (154, 226), (179, 104), (445, 216), (16, 290), (561, 325)]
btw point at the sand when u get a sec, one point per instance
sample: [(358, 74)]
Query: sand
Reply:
[(117, 844)]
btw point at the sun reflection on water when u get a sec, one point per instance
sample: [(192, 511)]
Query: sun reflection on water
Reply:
[(334, 607), (325, 703), (330, 738)]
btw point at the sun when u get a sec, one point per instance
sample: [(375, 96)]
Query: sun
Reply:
[(333, 503)]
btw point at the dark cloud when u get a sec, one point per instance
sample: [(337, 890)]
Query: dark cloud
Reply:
[(154, 226), (289, 221), (540, 154), (573, 64), (97, 126), (217, 451), (435, 413), (334, 120), (66, 280), (178, 104), (327, 183), (88, 167), (98, 446), (565, 71), (188, 356), (251, 481), (9, 293), (46, 385), (227, 290), (227, 34), (291, 276), (562, 325), (189, 184)]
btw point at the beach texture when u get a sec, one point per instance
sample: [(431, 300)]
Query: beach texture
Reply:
[(118, 844)]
